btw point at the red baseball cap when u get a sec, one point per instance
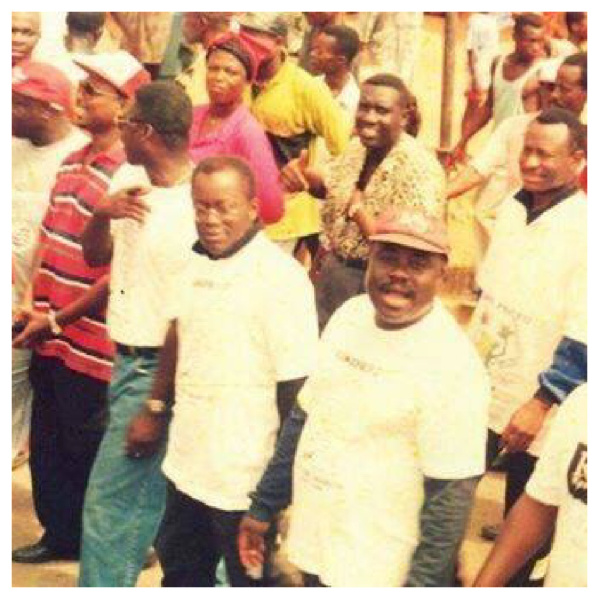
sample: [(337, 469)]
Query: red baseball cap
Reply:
[(43, 82), (412, 227)]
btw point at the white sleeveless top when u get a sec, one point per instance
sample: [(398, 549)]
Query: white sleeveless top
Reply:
[(508, 95)]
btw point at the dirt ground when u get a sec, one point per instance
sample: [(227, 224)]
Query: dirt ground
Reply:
[(26, 530)]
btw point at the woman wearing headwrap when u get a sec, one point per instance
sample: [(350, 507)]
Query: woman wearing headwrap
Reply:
[(226, 126)]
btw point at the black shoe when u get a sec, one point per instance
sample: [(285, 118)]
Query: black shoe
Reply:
[(40, 553)]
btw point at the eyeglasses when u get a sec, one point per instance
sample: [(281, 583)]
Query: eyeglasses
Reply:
[(123, 122), (89, 90)]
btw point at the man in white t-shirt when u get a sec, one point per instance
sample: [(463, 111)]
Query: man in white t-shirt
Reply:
[(496, 168), (241, 341), (43, 137), (144, 227), (555, 497), (387, 442), (332, 54), (532, 313)]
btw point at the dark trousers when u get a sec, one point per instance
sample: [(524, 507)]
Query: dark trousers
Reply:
[(519, 467), (337, 282), (312, 580), (192, 539), (67, 423)]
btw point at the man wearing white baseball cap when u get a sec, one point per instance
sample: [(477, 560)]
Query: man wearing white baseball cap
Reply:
[(72, 360)]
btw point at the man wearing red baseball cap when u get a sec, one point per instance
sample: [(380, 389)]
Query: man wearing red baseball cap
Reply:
[(42, 138), (72, 352), (386, 464)]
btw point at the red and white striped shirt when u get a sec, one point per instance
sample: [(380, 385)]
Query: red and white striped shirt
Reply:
[(64, 276)]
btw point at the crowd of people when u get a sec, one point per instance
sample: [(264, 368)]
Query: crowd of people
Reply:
[(228, 248)]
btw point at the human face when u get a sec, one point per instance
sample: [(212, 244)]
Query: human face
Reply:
[(25, 35), (134, 135), (402, 283), (225, 78), (30, 117), (568, 92), (193, 27), (380, 117), (548, 161), (224, 213), (324, 57), (98, 105), (529, 43)]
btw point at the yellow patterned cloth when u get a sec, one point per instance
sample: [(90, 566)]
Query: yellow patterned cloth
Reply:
[(409, 175)]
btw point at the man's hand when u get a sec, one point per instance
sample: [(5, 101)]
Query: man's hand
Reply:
[(251, 541), (124, 204), (144, 434), (36, 330), (297, 176), (524, 425)]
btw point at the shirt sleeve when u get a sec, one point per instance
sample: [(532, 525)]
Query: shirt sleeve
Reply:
[(452, 423), (291, 324), (325, 117), (495, 152), (256, 149)]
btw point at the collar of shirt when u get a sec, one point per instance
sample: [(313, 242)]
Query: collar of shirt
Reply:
[(526, 199), (241, 243)]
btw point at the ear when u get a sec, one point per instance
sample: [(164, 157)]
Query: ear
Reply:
[(253, 209)]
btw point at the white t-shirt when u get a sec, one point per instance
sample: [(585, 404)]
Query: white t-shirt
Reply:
[(34, 171), (560, 479), (499, 163), (534, 280), (385, 409), (146, 258), (244, 323), (484, 41)]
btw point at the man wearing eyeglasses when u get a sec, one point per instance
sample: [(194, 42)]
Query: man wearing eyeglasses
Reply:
[(72, 359), (145, 228)]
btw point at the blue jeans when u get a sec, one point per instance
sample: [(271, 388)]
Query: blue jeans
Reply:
[(125, 499)]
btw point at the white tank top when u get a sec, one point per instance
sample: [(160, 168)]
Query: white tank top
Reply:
[(508, 95)]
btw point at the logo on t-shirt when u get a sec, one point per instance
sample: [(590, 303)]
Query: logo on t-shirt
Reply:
[(577, 474)]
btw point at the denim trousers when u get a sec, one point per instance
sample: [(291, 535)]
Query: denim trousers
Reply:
[(125, 499)]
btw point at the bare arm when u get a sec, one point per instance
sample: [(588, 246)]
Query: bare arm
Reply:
[(163, 387), (38, 326), (96, 240), (528, 526), (464, 181)]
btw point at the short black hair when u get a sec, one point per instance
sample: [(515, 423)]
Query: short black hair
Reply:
[(528, 19), (561, 116), (407, 98), (85, 22), (578, 60), (167, 108), (216, 164), (574, 17), (346, 40)]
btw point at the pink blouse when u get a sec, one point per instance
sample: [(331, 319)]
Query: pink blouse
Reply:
[(242, 136)]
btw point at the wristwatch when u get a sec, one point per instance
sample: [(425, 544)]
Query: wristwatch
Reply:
[(55, 328), (157, 407)]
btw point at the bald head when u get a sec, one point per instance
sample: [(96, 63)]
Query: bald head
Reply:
[(26, 29)]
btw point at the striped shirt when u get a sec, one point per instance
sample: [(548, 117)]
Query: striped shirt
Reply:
[(64, 276)]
